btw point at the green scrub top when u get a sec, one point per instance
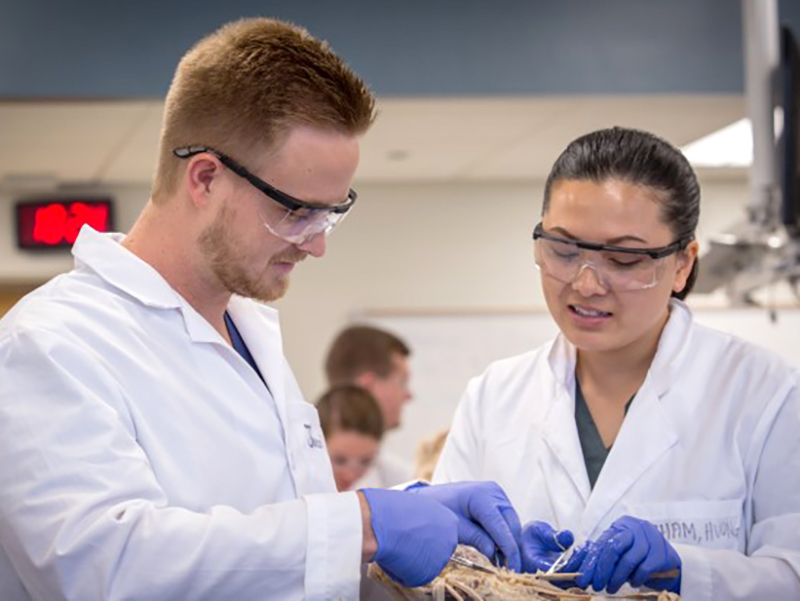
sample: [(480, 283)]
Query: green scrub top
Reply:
[(594, 451)]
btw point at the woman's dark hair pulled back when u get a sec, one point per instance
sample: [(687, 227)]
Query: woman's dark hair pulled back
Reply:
[(639, 158)]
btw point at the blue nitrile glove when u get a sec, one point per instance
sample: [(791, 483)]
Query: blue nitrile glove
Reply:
[(486, 519), (541, 546), (630, 550), (416, 536)]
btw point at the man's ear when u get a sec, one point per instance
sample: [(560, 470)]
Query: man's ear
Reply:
[(366, 380), (201, 176)]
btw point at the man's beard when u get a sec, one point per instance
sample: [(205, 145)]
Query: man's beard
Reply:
[(228, 263)]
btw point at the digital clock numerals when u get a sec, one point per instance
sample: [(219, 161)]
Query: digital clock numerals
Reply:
[(58, 223), (55, 224)]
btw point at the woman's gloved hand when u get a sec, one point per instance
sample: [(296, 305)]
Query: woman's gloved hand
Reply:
[(486, 519), (542, 545), (416, 536), (631, 550)]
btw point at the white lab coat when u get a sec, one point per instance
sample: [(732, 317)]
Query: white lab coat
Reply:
[(709, 452), (142, 458)]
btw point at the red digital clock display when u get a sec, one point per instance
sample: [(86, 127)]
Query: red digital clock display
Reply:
[(55, 224)]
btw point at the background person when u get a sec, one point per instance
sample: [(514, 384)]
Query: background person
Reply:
[(353, 427), (669, 445), (154, 443), (377, 361)]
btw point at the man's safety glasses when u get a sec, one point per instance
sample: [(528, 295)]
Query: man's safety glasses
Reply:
[(616, 267), (297, 221)]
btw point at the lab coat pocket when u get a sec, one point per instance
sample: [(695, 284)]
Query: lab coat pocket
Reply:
[(308, 456), (710, 524)]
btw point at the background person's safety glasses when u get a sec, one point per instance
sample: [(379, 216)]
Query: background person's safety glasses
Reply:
[(296, 221), (617, 267), (355, 463)]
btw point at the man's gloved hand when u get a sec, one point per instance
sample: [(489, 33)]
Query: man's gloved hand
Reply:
[(416, 536), (486, 519), (631, 550), (542, 545)]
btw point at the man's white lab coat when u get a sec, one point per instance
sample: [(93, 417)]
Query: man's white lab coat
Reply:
[(709, 452), (142, 458)]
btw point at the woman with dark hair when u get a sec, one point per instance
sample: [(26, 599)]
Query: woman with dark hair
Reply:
[(670, 451)]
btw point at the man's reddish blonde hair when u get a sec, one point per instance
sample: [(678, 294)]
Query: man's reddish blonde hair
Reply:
[(242, 88)]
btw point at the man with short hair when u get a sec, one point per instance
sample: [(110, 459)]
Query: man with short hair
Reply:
[(376, 360), (154, 443)]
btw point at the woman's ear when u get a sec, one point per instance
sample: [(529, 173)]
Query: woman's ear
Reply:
[(686, 260)]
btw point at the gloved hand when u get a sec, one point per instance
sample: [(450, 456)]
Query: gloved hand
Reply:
[(486, 519), (416, 536), (541, 546), (630, 550)]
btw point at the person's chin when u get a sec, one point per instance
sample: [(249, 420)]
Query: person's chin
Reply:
[(274, 291), (590, 340)]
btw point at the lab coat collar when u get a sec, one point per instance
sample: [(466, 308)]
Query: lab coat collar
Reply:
[(672, 351), (258, 324), (673, 347), (260, 329), (562, 359), (105, 255), (558, 421)]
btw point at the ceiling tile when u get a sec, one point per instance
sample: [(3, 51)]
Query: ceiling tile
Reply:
[(71, 141)]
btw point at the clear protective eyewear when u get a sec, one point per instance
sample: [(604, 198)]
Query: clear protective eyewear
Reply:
[(617, 267), (354, 463), (296, 221)]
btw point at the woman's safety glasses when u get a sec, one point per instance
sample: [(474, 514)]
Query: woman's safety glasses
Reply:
[(616, 267), (292, 219)]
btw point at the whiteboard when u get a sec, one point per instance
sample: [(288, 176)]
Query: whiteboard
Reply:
[(449, 349)]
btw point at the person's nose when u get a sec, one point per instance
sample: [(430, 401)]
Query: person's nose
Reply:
[(315, 245), (346, 477), (343, 483), (589, 281)]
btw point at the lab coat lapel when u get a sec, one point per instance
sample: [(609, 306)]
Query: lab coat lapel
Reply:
[(638, 446), (558, 427), (198, 329), (261, 332)]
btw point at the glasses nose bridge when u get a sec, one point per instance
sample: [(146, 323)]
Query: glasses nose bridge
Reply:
[(600, 278), (314, 244)]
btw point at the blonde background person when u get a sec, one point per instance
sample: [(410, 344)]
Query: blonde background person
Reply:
[(427, 457), (154, 443)]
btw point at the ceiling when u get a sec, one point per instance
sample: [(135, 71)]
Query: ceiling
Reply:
[(96, 143)]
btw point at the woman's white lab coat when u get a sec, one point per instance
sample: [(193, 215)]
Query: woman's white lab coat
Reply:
[(142, 458), (709, 452)]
